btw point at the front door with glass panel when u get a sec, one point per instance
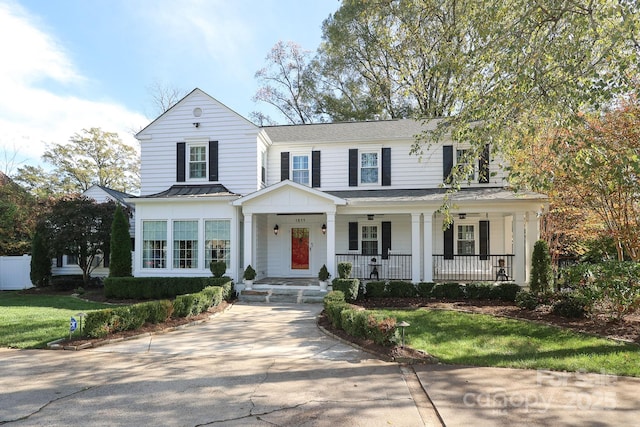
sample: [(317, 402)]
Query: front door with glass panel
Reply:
[(300, 249)]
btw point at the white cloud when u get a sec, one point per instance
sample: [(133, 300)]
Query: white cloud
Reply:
[(39, 83)]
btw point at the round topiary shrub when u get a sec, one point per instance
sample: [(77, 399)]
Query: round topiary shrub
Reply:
[(572, 306)]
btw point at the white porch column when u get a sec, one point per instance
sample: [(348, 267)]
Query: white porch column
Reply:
[(428, 247), (519, 249), (248, 240), (415, 247), (531, 237), (331, 243)]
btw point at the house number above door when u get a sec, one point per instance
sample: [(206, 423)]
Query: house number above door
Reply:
[(300, 220)]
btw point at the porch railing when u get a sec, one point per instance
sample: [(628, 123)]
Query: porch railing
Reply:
[(473, 268), (374, 267)]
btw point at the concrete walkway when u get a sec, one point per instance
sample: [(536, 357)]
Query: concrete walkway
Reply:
[(254, 365), (261, 365)]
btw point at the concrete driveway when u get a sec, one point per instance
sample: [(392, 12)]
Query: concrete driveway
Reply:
[(259, 365), (253, 365)]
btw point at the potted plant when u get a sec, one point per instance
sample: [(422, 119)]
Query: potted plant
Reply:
[(324, 276), (249, 276)]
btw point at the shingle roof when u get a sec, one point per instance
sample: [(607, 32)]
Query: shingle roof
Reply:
[(192, 191), (436, 194), (348, 131), (118, 195)]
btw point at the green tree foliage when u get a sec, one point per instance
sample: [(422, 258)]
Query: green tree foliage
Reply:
[(120, 255), (95, 157), (42, 183), (17, 221), (541, 278), (80, 227), (40, 261)]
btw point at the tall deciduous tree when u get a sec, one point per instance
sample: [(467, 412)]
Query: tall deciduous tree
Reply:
[(17, 219), (120, 256), (95, 157), (602, 162), (283, 85), (80, 227)]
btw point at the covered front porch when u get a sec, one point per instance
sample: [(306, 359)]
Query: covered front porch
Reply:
[(290, 230)]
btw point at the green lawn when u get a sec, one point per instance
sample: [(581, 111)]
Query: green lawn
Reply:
[(31, 321), (483, 340)]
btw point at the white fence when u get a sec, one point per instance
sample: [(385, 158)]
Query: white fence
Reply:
[(14, 272)]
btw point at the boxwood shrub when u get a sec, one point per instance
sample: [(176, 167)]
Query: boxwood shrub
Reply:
[(425, 289), (162, 287), (358, 322), (480, 291), (448, 290), (375, 289), (401, 289), (505, 291), (349, 288), (67, 282), (100, 323)]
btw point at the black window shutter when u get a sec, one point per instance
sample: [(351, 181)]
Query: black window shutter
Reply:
[(106, 259), (353, 236), (484, 240), (353, 167), (386, 239), (386, 166), (284, 165), (483, 165), (315, 169), (213, 161), (59, 261), (180, 162), (448, 242), (447, 162)]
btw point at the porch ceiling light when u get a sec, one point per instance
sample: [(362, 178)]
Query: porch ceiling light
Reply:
[(370, 217), (276, 229), (324, 228), (462, 215)]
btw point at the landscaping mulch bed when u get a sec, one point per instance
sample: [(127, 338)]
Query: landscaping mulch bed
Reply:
[(627, 329)]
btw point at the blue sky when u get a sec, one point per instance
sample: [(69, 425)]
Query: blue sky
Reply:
[(73, 64)]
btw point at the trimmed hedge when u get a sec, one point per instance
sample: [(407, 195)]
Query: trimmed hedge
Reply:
[(401, 289), (162, 287), (359, 322), (425, 289), (67, 282), (376, 289), (101, 323), (448, 290), (480, 291), (349, 288), (506, 291)]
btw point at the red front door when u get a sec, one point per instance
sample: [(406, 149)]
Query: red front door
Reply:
[(299, 248)]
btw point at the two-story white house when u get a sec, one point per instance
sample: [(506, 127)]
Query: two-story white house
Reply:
[(288, 199)]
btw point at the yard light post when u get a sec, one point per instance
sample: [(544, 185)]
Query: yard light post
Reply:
[(403, 325), (81, 315)]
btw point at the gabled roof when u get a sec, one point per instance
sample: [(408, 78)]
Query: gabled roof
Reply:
[(116, 195), (174, 106), (291, 184), (349, 131)]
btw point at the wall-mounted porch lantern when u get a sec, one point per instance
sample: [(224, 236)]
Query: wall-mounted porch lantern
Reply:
[(276, 229), (324, 228)]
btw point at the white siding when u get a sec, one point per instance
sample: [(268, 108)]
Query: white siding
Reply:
[(237, 145), (407, 170)]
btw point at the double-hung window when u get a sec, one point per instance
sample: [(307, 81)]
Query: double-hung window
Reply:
[(185, 244), (465, 163), (369, 240), (300, 169), (197, 161), (154, 244), (466, 240), (369, 171), (217, 240)]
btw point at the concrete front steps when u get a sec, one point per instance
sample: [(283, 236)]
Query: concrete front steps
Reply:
[(283, 294)]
